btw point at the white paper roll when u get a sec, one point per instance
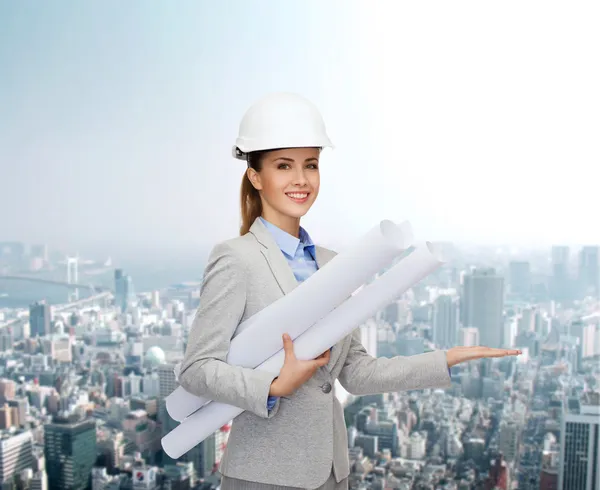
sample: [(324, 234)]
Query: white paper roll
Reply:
[(340, 322), (259, 337)]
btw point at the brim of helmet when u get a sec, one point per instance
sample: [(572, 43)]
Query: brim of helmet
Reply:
[(241, 154)]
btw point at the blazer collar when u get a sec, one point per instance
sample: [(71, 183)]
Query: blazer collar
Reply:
[(274, 256)]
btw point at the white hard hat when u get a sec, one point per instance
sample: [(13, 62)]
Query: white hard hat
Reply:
[(280, 120)]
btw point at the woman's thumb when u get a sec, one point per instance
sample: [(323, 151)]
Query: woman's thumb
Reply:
[(288, 345)]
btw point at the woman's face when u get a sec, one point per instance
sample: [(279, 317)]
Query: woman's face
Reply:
[(288, 182)]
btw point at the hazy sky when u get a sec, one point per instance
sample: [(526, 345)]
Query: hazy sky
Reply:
[(477, 121)]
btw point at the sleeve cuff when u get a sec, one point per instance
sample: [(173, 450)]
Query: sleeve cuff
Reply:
[(271, 401)]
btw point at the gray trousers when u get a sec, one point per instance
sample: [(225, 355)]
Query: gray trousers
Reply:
[(235, 484)]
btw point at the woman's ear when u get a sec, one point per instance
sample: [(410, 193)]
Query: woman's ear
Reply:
[(254, 178)]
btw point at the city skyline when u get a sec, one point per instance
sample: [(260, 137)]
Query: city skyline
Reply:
[(502, 421), (116, 130)]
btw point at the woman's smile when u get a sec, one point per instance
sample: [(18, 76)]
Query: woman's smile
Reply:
[(298, 197)]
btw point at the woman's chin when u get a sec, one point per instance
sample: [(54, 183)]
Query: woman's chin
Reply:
[(298, 211)]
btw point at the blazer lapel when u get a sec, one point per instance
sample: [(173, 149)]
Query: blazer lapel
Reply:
[(277, 262)]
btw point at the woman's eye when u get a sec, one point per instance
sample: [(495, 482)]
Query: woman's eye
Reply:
[(283, 166)]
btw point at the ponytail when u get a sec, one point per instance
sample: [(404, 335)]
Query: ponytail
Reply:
[(250, 203)]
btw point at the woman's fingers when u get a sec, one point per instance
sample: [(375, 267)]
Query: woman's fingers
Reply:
[(288, 346), (490, 352), (457, 355), (323, 359)]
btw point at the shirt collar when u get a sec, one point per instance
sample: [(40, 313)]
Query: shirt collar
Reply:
[(287, 243)]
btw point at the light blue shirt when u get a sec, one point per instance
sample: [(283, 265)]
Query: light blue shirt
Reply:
[(300, 254)]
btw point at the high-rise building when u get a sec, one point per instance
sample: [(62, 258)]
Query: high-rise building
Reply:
[(560, 285), (167, 383), (368, 336), (39, 319), (589, 271), (203, 456), (483, 292), (70, 451), (73, 277), (580, 443), (526, 322), (519, 276), (508, 437), (468, 336), (445, 321), (124, 291), (16, 455), (7, 389)]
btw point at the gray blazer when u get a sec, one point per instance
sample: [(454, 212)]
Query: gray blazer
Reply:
[(297, 442)]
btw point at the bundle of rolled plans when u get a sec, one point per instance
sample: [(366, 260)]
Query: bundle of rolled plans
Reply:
[(339, 302), (259, 337)]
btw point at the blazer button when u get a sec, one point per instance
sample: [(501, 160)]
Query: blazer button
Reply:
[(326, 387)]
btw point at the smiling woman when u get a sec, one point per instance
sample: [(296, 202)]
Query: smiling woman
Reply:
[(291, 433)]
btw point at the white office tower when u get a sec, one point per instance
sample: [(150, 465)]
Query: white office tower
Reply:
[(16, 454), (166, 385), (368, 336), (509, 438), (417, 446), (468, 336), (166, 380), (445, 321), (483, 292), (590, 340), (511, 326), (580, 443)]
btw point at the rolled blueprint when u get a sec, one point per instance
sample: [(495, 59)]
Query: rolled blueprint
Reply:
[(323, 291), (340, 322)]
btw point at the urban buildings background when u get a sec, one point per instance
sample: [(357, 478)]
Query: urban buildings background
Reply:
[(85, 369)]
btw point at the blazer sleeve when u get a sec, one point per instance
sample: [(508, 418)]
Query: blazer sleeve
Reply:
[(204, 369), (363, 374)]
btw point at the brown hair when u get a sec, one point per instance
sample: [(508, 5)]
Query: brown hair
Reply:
[(250, 203)]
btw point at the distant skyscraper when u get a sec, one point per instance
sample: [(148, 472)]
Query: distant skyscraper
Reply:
[(70, 451), (73, 277), (483, 292), (589, 271), (124, 293), (39, 319), (560, 283), (519, 276), (580, 443), (445, 321)]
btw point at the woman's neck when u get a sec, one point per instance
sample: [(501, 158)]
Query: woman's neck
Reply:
[(286, 223)]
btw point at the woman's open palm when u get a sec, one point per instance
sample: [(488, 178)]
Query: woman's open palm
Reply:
[(456, 355)]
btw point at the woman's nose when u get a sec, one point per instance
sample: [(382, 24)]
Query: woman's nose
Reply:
[(300, 177)]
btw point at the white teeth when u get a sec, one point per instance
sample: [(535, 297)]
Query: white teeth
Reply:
[(298, 196)]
